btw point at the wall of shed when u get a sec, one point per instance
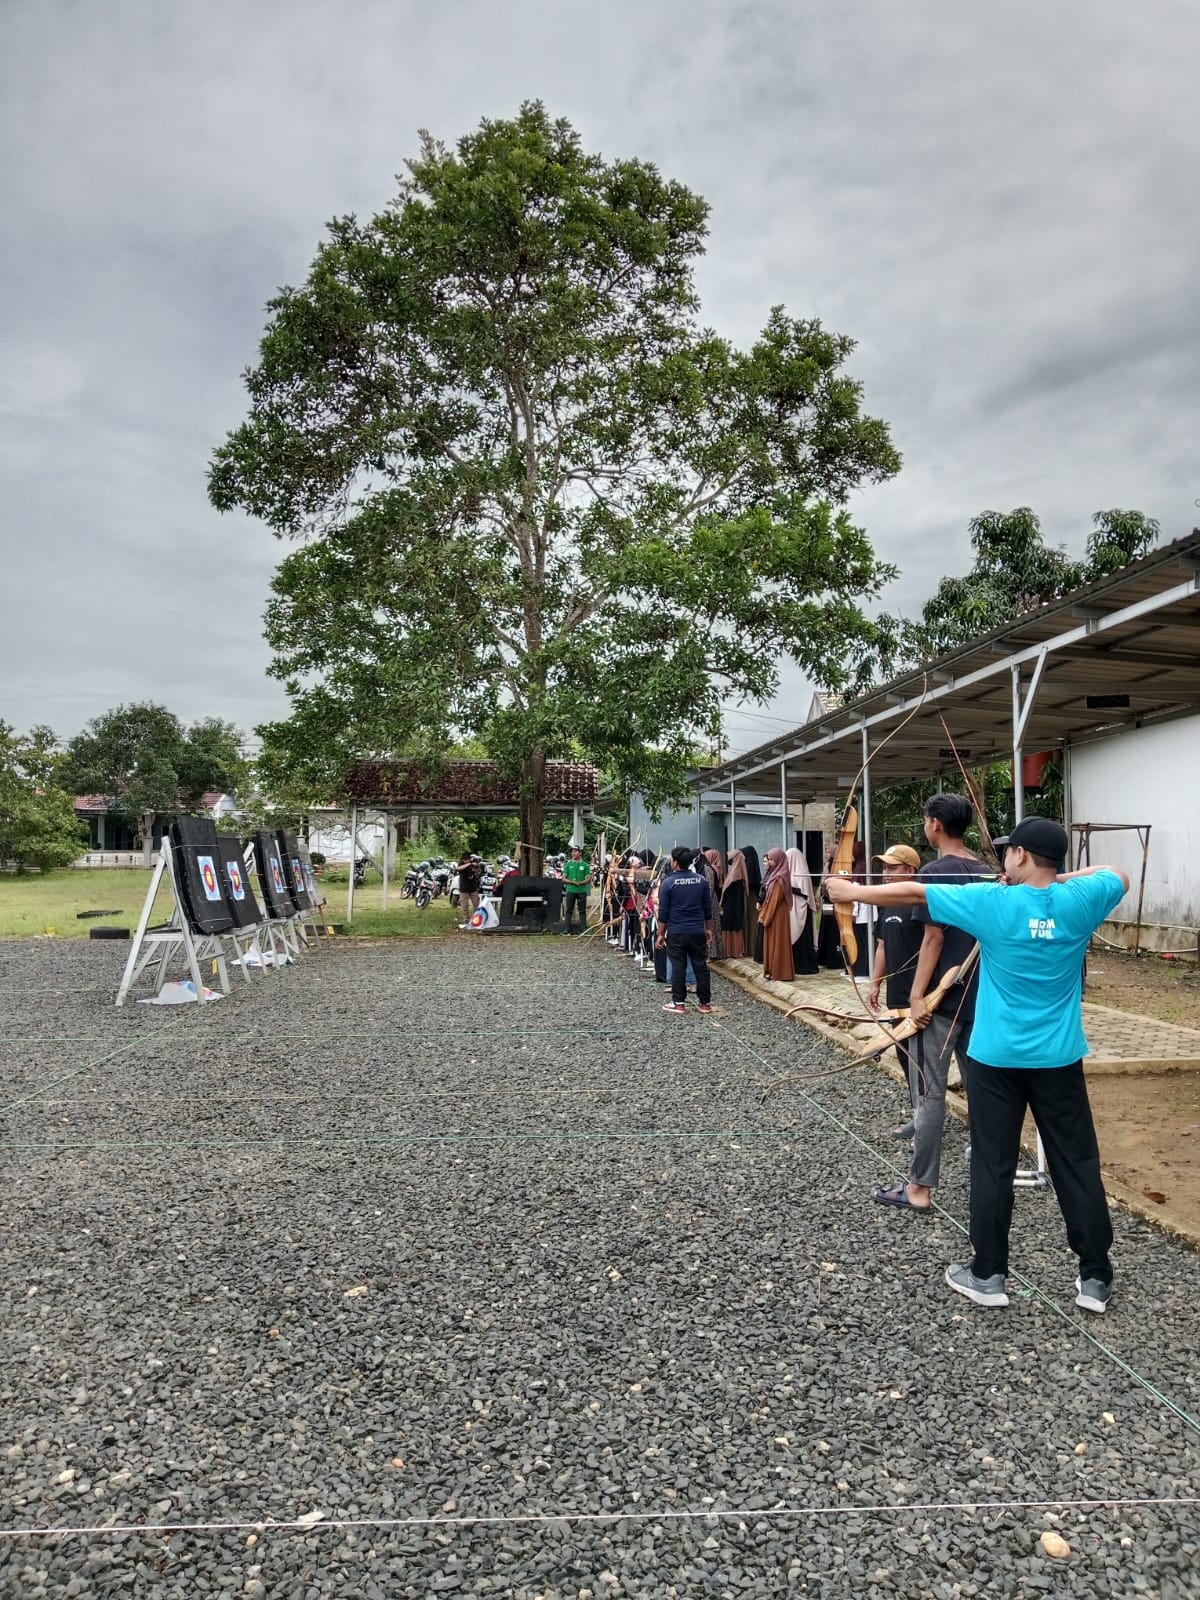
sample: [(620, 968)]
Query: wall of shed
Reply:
[(679, 827), (1147, 775)]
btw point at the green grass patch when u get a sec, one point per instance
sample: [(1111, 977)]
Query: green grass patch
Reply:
[(47, 904)]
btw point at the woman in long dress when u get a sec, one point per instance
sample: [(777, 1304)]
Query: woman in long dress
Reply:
[(803, 914), (710, 864), (829, 940), (775, 918), (733, 905), (754, 878)]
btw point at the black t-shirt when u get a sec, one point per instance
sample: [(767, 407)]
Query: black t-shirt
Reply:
[(901, 934), (956, 945), (470, 876)]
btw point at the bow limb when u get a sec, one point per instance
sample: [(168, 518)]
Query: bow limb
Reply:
[(977, 799)]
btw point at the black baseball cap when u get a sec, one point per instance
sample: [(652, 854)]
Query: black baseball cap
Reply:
[(1041, 836)]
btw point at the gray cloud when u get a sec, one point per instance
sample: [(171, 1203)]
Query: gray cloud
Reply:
[(998, 207)]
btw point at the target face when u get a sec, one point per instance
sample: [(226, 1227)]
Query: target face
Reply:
[(297, 873), (208, 877), (478, 919), (276, 876), (236, 887)]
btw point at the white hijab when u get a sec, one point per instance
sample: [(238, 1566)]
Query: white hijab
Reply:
[(806, 900)]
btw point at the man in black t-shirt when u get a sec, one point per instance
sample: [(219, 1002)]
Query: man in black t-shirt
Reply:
[(470, 877), (945, 1032)]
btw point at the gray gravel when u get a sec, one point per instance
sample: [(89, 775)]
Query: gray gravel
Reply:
[(471, 1229)]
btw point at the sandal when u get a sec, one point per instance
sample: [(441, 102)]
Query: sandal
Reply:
[(898, 1197)]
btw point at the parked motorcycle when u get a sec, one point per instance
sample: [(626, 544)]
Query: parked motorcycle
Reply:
[(427, 889)]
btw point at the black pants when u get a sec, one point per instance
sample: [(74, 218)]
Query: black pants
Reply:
[(575, 901), (1057, 1097), (679, 947)]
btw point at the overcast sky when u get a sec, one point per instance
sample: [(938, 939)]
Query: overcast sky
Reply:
[(998, 204)]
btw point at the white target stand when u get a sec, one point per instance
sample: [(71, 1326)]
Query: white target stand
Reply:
[(155, 946), (1036, 1177)]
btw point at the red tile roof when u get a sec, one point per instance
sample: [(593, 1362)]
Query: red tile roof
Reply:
[(474, 783)]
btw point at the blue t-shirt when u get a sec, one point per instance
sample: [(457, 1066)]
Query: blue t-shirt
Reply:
[(1031, 944), (685, 902)]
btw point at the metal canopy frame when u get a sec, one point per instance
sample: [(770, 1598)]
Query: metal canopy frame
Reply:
[(1023, 686)]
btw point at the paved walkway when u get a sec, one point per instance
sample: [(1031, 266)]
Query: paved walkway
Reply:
[(1120, 1041)]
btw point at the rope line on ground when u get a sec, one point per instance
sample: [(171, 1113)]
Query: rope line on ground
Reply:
[(726, 1135), (1072, 1322), (76, 1072), (544, 1518)]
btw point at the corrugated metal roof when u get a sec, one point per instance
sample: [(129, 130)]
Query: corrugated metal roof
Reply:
[(1135, 633)]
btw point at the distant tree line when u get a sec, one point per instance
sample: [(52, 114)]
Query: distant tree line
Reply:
[(143, 761)]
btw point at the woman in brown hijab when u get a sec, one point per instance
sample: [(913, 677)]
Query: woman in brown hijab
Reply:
[(775, 918)]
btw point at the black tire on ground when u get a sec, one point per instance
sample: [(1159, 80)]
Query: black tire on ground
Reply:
[(422, 898), (108, 933)]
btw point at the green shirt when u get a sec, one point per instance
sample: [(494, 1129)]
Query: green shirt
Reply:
[(578, 875)]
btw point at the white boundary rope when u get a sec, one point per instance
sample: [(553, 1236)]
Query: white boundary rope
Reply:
[(317, 1523)]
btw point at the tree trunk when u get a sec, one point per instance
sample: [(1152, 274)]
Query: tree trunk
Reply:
[(147, 836), (532, 855)]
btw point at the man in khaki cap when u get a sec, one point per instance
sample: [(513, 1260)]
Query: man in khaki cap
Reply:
[(896, 950)]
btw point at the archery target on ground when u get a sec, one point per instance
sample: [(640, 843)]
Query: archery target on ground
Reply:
[(208, 877), (271, 880), (201, 890), (239, 891), (288, 846), (486, 918)]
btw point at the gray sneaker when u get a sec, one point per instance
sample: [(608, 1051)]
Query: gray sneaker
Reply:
[(984, 1291), (1093, 1295)]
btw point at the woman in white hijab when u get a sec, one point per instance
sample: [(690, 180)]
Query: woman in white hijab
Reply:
[(803, 914)]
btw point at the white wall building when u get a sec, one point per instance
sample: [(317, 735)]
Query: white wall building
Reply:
[(1149, 776)]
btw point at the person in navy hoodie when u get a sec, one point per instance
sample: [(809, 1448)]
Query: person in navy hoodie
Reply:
[(685, 914)]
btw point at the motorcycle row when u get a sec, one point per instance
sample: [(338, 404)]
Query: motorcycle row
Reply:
[(427, 881)]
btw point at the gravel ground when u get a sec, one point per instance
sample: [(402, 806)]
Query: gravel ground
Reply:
[(506, 1242)]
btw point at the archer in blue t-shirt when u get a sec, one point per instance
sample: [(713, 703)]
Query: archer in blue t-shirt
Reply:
[(1027, 1044)]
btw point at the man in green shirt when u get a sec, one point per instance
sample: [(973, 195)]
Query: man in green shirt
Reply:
[(578, 875)]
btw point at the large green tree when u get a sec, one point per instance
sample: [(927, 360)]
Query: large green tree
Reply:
[(1015, 570), (148, 765), (38, 825), (541, 503)]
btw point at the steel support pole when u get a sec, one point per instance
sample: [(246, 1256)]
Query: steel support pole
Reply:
[(1018, 781), (783, 810), (732, 844), (353, 854), (699, 822), (387, 855), (866, 838)]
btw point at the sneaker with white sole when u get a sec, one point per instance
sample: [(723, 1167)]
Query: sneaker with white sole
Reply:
[(671, 1006), (984, 1291), (1093, 1294)]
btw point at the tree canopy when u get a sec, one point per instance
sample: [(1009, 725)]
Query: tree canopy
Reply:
[(1015, 570), (147, 764), (541, 504), (38, 825)]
